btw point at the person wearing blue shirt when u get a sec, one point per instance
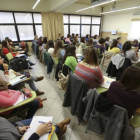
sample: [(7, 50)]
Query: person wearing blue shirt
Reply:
[(120, 44)]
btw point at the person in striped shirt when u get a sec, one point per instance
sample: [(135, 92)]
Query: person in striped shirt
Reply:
[(88, 69)]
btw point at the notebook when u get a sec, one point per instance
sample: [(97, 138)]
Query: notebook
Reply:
[(16, 80), (21, 98), (36, 121), (107, 82)]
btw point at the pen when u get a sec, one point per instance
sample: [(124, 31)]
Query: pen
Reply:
[(41, 122)]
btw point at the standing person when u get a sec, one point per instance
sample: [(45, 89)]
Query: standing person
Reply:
[(67, 40), (128, 52), (87, 37), (114, 47), (95, 40), (101, 46), (70, 57), (59, 51), (59, 37), (126, 92), (120, 44), (89, 70)]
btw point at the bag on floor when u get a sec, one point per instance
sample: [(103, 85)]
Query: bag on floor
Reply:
[(63, 80), (19, 64)]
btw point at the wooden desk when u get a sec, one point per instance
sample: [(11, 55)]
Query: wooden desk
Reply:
[(28, 100), (101, 89)]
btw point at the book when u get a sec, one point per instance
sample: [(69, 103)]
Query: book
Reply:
[(107, 82), (36, 121)]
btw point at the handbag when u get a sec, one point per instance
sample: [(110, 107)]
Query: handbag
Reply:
[(63, 80), (3, 85)]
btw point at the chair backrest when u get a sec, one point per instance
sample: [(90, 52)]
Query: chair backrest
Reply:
[(9, 56), (106, 59), (66, 70)]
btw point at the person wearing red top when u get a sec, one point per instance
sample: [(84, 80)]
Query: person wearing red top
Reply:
[(6, 50)]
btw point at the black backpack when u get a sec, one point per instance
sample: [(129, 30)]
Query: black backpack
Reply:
[(19, 64)]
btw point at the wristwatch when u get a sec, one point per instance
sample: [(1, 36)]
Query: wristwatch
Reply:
[(18, 127)]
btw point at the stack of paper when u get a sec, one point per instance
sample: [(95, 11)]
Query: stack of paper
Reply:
[(36, 121), (21, 98), (107, 82), (17, 80)]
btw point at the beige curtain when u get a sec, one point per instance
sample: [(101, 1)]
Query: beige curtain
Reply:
[(52, 24)]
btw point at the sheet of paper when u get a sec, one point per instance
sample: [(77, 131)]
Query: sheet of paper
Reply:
[(20, 55), (34, 124), (17, 80), (21, 98), (107, 82)]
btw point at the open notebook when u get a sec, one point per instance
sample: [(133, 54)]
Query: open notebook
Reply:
[(17, 80), (36, 121), (107, 82), (21, 98)]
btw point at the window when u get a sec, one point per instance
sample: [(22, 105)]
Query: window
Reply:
[(6, 17), (38, 29), (95, 30), (85, 30), (96, 20), (37, 18), (81, 24), (65, 30), (8, 31), (86, 20), (134, 30), (65, 18), (75, 29), (75, 19), (25, 32), (23, 17)]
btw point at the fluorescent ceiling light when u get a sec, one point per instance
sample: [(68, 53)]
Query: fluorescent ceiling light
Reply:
[(120, 10), (95, 5), (36, 4)]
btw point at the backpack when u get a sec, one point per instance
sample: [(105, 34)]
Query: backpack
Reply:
[(19, 64)]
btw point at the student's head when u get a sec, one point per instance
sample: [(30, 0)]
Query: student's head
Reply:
[(90, 56), (136, 42), (40, 38), (50, 44), (77, 35), (83, 40), (10, 42), (70, 51), (127, 46), (59, 35), (68, 35), (107, 38), (62, 37), (6, 38), (114, 44), (90, 42), (119, 39), (73, 35), (130, 79), (102, 41), (87, 36), (95, 37), (58, 45), (5, 43), (45, 40), (36, 37)]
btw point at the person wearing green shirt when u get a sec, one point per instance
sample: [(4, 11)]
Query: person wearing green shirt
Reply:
[(70, 57)]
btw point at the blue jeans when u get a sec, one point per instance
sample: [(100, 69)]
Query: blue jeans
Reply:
[(31, 83)]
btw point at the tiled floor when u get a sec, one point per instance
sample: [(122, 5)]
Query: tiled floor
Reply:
[(53, 106)]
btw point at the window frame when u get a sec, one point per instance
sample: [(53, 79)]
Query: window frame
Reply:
[(82, 23), (16, 24)]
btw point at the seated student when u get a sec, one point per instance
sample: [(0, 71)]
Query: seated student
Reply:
[(87, 37), (70, 57), (76, 41), (6, 50), (67, 40), (95, 40), (40, 41), (11, 45), (89, 43), (59, 51), (50, 47), (107, 43), (89, 70), (15, 132), (128, 53), (126, 92), (120, 44), (136, 43), (63, 39), (9, 97), (114, 47), (72, 37), (59, 37), (101, 45)]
